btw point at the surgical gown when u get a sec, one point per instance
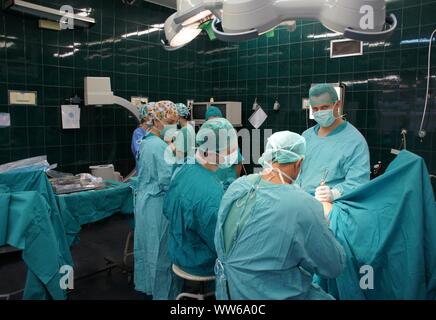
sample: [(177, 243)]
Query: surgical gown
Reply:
[(191, 206), (228, 175), (137, 137), (283, 240), (152, 273), (342, 158)]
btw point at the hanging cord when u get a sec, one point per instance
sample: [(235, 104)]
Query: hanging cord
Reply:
[(421, 129), (403, 139)]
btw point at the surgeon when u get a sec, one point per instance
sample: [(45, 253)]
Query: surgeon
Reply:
[(141, 131), (194, 196), (184, 143), (271, 236), (152, 271), (227, 175), (337, 157)]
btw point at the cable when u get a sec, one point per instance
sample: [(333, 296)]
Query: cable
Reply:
[(421, 131)]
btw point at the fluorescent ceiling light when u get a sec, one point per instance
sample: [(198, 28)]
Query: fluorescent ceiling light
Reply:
[(47, 13)]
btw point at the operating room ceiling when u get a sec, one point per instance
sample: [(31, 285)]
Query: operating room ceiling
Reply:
[(166, 3)]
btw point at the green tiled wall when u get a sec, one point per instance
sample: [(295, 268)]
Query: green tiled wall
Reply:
[(45, 61), (385, 87)]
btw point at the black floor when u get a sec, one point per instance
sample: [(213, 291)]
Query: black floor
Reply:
[(100, 243)]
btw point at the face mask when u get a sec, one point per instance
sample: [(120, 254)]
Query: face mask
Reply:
[(229, 160), (325, 118)]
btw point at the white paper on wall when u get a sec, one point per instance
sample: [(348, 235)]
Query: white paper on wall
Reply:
[(5, 120), (70, 116), (258, 118)]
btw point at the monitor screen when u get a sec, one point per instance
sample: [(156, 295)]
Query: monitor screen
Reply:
[(199, 111)]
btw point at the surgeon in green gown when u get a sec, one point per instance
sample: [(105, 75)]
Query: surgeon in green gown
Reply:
[(152, 272), (226, 175), (271, 236), (337, 156), (194, 196)]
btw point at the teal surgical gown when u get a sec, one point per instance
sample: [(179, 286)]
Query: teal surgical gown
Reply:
[(342, 158), (191, 206), (228, 175), (389, 224), (152, 273), (279, 243)]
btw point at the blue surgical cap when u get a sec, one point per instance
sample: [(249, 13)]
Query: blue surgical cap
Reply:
[(217, 135), (182, 110), (323, 94), (284, 147), (143, 111), (213, 112)]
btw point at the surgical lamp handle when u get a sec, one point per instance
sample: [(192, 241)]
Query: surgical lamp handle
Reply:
[(391, 21), (169, 48)]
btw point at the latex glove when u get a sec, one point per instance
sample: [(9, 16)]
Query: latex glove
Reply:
[(325, 194)]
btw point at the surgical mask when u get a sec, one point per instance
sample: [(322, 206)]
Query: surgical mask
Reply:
[(229, 160), (325, 118)]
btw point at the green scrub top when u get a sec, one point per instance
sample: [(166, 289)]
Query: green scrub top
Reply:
[(341, 159)]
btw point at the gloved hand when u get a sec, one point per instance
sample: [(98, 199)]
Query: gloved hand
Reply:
[(325, 194)]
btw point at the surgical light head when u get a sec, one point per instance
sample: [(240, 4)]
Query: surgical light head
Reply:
[(178, 35), (363, 20), (184, 25)]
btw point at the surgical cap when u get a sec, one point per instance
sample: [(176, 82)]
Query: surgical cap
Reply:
[(216, 135), (163, 110), (213, 112), (284, 147), (322, 94), (182, 110), (143, 111)]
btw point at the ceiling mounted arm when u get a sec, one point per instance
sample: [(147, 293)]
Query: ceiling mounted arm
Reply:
[(391, 25), (232, 37), (240, 20)]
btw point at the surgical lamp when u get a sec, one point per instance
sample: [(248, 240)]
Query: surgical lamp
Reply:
[(239, 20), (184, 25)]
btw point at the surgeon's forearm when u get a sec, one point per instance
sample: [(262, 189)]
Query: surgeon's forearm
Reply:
[(327, 209)]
